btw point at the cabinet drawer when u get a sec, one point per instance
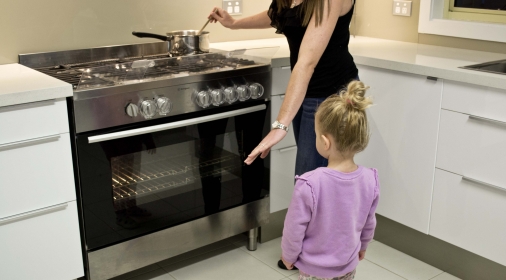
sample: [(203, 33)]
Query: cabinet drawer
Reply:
[(35, 175), (472, 147), (289, 139), (282, 177), (475, 100), (280, 78), (469, 215), (45, 245), (33, 120)]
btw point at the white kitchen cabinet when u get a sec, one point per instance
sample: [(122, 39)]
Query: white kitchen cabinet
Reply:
[(469, 215), (33, 120), (280, 78), (404, 127), (475, 100), (39, 225), (472, 147), (42, 245), (35, 175), (282, 177)]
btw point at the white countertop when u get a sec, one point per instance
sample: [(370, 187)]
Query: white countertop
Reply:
[(20, 84), (413, 58)]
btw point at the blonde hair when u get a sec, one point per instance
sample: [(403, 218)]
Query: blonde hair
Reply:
[(308, 9), (343, 117)]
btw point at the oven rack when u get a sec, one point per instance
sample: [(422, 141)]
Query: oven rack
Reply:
[(165, 183), (124, 174)]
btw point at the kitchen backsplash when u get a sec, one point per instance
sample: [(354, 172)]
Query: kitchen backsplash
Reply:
[(50, 25)]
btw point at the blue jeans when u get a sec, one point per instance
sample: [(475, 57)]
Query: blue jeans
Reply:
[(308, 157)]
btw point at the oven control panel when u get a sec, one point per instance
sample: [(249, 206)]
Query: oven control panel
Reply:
[(162, 102), (166, 99)]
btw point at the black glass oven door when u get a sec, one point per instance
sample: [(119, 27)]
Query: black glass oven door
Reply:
[(144, 179)]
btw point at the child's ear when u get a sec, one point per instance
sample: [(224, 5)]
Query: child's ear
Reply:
[(326, 141)]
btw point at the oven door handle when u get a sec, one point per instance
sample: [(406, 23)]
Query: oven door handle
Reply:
[(173, 125)]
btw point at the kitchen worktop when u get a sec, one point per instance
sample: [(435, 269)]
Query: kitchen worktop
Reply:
[(20, 84), (427, 60)]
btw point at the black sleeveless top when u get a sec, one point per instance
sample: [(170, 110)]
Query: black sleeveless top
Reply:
[(336, 68)]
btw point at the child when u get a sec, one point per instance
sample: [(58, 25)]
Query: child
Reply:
[(331, 218)]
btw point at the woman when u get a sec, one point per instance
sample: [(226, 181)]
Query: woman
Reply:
[(318, 35)]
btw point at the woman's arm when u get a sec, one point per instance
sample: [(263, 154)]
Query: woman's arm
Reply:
[(313, 45), (258, 21)]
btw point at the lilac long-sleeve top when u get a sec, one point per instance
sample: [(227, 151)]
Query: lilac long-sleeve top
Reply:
[(330, 219)]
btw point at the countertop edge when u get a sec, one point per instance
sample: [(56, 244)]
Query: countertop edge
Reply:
[(18, 98)]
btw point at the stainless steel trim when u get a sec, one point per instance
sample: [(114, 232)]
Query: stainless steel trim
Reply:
[(486, 120), (287, 149), (30, 141), (483, 183), (36, 60), (33, 213), (167, 126), (286, 67), (164, 244)]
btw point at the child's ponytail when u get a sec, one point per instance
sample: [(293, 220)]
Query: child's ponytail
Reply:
[(343, 117)]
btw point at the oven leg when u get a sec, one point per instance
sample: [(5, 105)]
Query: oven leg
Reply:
[(253, 239)]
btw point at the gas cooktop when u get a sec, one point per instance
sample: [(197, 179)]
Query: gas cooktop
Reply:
[(119, 65)]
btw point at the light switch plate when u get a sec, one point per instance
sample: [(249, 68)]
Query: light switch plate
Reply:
[(402, 8), (234, 8)]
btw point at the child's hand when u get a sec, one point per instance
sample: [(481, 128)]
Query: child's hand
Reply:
[(288, 265), (361, 255)]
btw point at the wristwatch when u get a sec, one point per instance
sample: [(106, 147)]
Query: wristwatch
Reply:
[(278, 125)]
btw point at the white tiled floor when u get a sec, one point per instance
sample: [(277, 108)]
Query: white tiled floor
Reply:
[(230, 260)]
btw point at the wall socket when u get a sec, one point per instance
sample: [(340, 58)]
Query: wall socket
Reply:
[(233, 7), (402, 8)]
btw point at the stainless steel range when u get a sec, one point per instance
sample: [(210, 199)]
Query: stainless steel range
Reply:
[(159, 144)]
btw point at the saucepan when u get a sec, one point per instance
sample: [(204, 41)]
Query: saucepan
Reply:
[(182, 42)]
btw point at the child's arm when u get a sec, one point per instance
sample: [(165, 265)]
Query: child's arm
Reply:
[(296, 221), (370, 224)]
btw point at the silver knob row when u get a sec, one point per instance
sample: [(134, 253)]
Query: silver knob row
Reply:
[(216, 97), (148, 108)]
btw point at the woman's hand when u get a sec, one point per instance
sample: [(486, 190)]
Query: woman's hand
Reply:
[(221, 16), (266, 144)]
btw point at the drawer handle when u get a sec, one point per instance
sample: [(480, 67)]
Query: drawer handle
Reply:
[(287, 149), (286, 67), (30, 142), (33, 213), (482, 183), (473, 117)]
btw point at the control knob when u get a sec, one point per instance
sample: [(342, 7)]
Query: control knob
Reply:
[(164, 105), (257, 90), (148, 108), (217, 97), (231, 95), (243, 92), (132, 110), (203, 99)]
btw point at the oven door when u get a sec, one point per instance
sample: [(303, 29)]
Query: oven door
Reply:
[(140, 179)]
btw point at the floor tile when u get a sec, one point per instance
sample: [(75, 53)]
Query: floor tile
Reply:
[(367, 270), (268, 253), (400, 263), (225, 263), (445, 276), (158, 274), (137, 272), (294, 276)]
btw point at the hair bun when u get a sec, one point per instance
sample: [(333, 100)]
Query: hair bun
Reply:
[(354, 96)]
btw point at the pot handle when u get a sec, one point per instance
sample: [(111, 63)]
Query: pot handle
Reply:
[(151, 35)]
